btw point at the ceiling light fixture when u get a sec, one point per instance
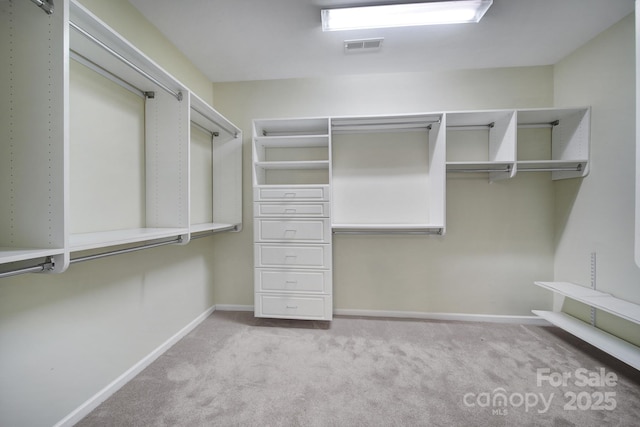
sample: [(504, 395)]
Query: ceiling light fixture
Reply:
[(404, 15)]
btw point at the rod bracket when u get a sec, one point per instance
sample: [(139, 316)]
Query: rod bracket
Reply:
[(46, 5), (150, 94), (179, 96), (555, 123)]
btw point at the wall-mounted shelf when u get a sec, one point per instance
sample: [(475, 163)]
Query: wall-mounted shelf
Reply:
[(629, 311), (50, 185), (33, 134), (554, 140), (482, 141)]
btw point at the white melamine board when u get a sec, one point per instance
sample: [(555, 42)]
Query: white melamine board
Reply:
[(290, 127), (437, 174), (227, 180), (33, 131), (309, 164), (381, 178), (107, 154), (212, 226), (623, 350), (292, 141), (600, 300), (85, 241), (201, 170), (167, 161), (207, 117)]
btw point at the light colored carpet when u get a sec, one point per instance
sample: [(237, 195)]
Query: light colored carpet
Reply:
[(235, 370)]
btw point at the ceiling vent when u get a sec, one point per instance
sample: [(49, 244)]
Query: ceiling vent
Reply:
[(363, 46)]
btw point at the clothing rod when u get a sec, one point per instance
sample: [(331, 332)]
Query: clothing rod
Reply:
[(124, 251), (210, 232), (558, 169), (106, 73), (230, 132), (471, 127), (382, 126), (47, 265), (46, 5), (381, 232), (177, 95), (539, 125), (479, 170), (204, 129)]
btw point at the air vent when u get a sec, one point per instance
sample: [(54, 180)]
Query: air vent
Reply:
[(362, 46)]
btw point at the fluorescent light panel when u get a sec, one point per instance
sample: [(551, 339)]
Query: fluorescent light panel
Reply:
[(404, 15)]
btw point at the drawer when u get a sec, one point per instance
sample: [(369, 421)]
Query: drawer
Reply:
[(293, 281), (292, 230), (294, 307), (298, 256), (285, 209), (292, 193)]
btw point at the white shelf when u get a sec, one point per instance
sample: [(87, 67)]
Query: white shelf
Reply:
[(308, 164), (211, 227), (622, 350), (600, 300), (301, 141), (102, 239), (8, 255)]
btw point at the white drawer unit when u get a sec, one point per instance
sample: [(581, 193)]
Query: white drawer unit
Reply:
[(293, 281), (298, 256), (320, 193), (294, 307), (292, 230), (292, 219), (291, 209)]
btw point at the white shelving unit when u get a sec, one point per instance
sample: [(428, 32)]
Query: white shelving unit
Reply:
[(33, 135), (388, 174), (621, 349), (482, 141), (166, 144), (217, 187), (36, 171), (565, 150), (292, 219)]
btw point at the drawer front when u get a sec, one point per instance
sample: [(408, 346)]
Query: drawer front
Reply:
[(293, 281), (291, 209), (292, 230), (294, 307), (298, 256), (304, 193)]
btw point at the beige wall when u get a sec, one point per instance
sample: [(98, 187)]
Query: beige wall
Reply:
[(500, 236), (597, 214)]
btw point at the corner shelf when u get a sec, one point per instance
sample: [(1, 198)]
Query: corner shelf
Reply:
[(567, 155)]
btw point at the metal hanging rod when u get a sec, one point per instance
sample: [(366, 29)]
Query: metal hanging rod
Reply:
[(45, 266), (208, 233), (46, 5), (125, 251), (470, 170), (106, 73), (224, 128), (383, 126), (177, 95), (552, 169), (539, 125), (389, 231), (471, 127)]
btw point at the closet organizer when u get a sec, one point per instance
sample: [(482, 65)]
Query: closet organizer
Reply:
[(189, 171), (314, 177)]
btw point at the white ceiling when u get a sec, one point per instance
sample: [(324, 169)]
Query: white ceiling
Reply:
[(233, 40)]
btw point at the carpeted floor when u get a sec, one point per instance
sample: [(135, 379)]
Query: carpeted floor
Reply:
[(235, 370)]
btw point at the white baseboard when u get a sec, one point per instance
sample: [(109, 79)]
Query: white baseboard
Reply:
[(490, 318), (233, 307), (88, 406)]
